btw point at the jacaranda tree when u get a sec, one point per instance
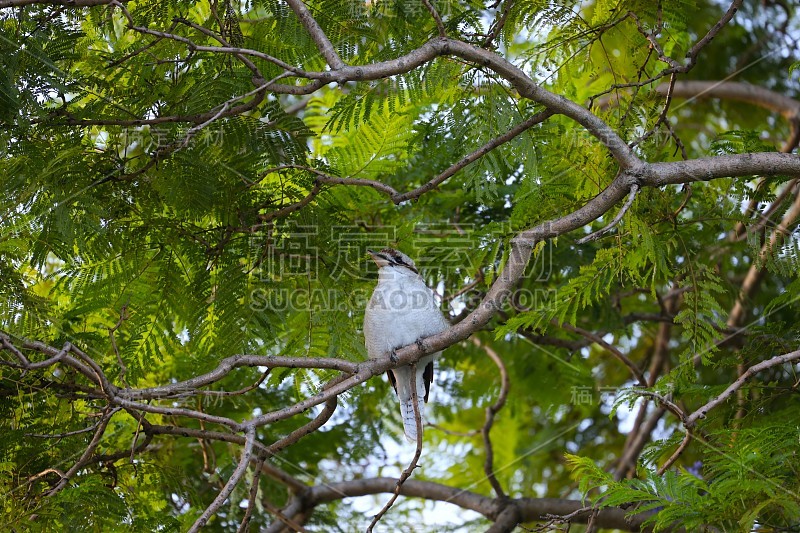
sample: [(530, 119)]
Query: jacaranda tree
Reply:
[(603, 194)]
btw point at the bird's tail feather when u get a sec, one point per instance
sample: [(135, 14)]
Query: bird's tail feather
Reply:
[(409, 420)]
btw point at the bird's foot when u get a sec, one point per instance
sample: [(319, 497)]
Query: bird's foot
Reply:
[(421, 344), (393, 357)]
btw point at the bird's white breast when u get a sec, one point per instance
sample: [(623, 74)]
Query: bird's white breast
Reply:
[(402, 309)]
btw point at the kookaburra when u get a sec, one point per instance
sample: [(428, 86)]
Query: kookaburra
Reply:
[(401, 311)]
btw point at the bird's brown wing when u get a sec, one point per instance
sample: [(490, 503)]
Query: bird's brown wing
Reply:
[(427, 377)]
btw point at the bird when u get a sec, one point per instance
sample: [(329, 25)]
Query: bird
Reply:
[(402, 311)]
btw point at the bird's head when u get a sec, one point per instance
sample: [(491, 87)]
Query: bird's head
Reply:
[(389, 257)]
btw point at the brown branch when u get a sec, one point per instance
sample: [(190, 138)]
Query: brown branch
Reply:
[(677, 453), (205, 31), (320, 39), (86, 457), (239, 392), (293, 484), (498, 24), (436, 17), (756, 271), (637, 374), (491, 411), (708, 37), (123, 315), (702, 412), (394, 195), (506, 520), (641, 432), (662, 117), (194, 47), (665, 402), (244, 525), (654, 44), (639, 437), (72, 433), (237, 361), (624, 209), (475, 155), (737, 91), (530, 509), (226, 491), (291, 208), (324, 177)]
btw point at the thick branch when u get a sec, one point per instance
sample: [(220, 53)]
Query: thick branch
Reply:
[(741, 92), (530, 509)]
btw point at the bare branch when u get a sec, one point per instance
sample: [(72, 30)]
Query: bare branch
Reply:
[(86, 457), (252, 496), (628, 203), (123, 315), (226, 491), (701, 413), (491, 411), (737, 91), (413, 464), (639, 438), (201, 48), (708, 37), (237, 361), (436, 17), (477, 154), (637, 374), (323, 177), (677, 453), (668, 404), (291, 208), (497, 24), (323, 43), (530, 509)]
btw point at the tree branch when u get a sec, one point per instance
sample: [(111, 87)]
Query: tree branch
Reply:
[(491, 412), (323, 43), (530, 509), (226, 491), (413, 464), (702, 412), (628, 203)]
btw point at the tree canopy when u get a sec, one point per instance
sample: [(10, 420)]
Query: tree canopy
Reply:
[(604, 195)]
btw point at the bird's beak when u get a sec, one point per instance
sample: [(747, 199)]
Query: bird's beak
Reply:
[(378, 258)]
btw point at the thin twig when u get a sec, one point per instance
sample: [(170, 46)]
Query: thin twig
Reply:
[(226, 491), (674, 457), (628, 203), (637, 373), (123, 315), (436, 17), (413, 464), (475, 155), (244, 526), (701, 413), (668, 404), (491, 411), (87, 453), (497, 25)]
